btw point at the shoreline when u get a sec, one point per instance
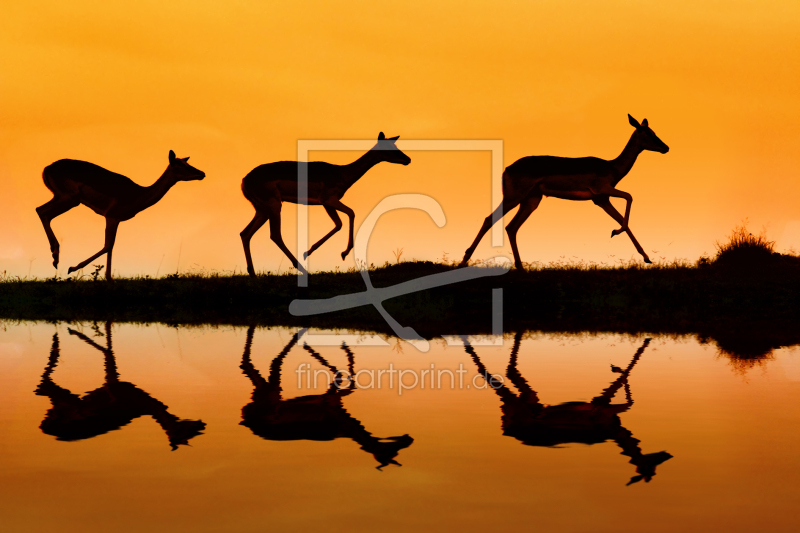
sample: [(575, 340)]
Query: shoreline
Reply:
[(750, 310)]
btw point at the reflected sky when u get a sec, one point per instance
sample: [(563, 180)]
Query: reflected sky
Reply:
[(573, 428)]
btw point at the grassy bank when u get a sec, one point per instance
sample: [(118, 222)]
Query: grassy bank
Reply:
[(750, 306)]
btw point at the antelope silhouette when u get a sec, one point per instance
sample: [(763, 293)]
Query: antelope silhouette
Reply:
[(319, 417), (108, 194), (527, 180), (526, 419), (113, 405), (268, 186)]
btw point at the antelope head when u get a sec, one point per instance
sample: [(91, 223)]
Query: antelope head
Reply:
[(390, 153), (646, 138), (182, 170)]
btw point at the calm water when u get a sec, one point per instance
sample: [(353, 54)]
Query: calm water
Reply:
[(221, 429)]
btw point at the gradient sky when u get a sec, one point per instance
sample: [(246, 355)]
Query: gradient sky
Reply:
[(236, 84)]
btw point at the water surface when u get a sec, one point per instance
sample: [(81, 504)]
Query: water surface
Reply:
[(211, 429)]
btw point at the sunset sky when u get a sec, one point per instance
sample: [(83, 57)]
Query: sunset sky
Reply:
[(236, 84)]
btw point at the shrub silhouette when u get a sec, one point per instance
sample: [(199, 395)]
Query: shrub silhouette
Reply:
[(745, 250)]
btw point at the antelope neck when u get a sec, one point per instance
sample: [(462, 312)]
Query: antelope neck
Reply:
[(624, 161), (155, 192), (352, 172)]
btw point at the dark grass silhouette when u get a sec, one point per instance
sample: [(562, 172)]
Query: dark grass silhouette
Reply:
[(744, 251), (748, 312), (745, 256), (534, 424), (112, 406), (110, 195), (268, 186), (740, 309), (319, 417), (187, 299), (528, 180)]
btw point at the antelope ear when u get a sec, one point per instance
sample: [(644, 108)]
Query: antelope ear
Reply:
[(381, 136), (633, 122), (393, 139), (644, 123), (185, 159), (171, 156)]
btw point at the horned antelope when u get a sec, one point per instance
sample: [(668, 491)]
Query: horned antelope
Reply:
[(110, 195), (529, 179), (268, 186)]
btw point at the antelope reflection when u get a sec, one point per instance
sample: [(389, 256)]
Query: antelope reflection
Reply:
[(526, 419), (113, 405), (320, 417)]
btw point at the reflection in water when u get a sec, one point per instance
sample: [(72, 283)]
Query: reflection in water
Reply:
[(320, 417), (109, 407), (526, 419), (751, 345)]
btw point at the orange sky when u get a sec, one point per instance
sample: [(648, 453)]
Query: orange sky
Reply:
[(236, 84)]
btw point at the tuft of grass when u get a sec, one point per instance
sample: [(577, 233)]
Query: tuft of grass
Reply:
[(744, 249), (95, 274)]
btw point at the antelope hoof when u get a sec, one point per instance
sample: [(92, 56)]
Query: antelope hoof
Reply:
[(344, 254), (306, 254), (647, 260), (70, 270)]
